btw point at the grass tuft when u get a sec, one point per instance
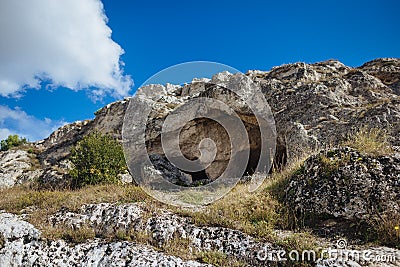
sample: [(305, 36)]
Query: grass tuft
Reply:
[(370, 141), (219, 259)]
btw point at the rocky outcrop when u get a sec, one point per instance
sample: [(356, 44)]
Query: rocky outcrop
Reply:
[(385, 69), (56, 148), (345, 184), (17, 167), (162, 226), (22, 245), (314, 105)]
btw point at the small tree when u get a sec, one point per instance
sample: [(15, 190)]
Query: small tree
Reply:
[(12, 141), (97, 159)]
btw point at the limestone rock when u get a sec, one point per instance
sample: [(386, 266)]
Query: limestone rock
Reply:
[(16, 167), (314, 105), (343, 183), (387, 70), (23, 246), (162, 227)]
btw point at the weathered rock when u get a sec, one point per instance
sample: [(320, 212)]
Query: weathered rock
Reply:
[(162, 227), (57, 146), (361, 256), (385, 69), (55, 178), (314, 105), (17, 167), (23, 246), (329, 101), (343, 183)]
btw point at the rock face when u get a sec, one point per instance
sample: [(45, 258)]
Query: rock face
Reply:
[(343, 183), (314, 105), (385, 69), (16, 167), (319, 104)]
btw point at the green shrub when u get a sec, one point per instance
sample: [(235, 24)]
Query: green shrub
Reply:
[(97, 159), (12, 141)]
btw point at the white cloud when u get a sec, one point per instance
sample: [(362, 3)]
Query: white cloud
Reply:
[(67, 42), (16, 121)]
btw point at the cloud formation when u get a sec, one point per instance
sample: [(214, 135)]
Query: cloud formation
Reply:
[(17, 121), (66, 43)]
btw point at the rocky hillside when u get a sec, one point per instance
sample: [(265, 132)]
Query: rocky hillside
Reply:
[(338, 192)]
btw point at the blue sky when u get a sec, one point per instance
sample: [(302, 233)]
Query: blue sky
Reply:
[(157, 34)]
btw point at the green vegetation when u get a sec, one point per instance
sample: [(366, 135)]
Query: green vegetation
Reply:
[(97, 159), (370, 141), (12, 141), (331, 162)]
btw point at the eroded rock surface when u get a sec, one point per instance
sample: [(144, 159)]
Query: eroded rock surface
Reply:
[(23, 246), (17, 167), (343, 183), (162, 227), (314, 105)]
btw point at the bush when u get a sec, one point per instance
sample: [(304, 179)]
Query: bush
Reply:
[(12, 141), (97, 159)]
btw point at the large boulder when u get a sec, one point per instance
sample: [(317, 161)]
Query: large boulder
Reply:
[(345, 184), (16, 167)]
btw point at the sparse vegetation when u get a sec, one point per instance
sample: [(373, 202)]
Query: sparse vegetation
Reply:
[(43, 203), (331, 162), (219, 259), (12, 141), (80, 235), (97, 159), (387, 229), (371, 141), (255, 213), (180, 247), (183, 248)]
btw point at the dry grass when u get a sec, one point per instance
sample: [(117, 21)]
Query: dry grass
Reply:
[(219, 259), (184, 249), (255, 213), (387, 229), (40, 204), (76, 236), (180, 247), (18, 198), (371, 141)]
